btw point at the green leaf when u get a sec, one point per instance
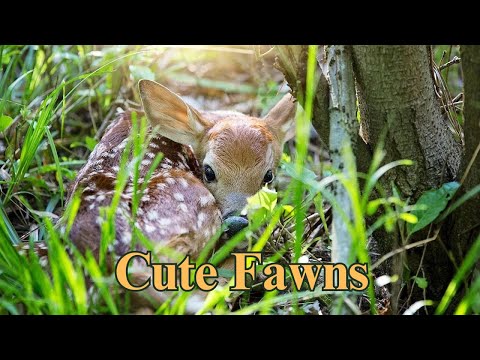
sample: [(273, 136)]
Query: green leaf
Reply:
[(141, 72), (431, 204), (286, 158), (409, 218), (373, 205), (288, 211), (390, 222), (90, 143), (5, 122), (307, 176), (421, 282), (265, 198)]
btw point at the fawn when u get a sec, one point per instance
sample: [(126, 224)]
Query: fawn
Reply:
[(213, 161)]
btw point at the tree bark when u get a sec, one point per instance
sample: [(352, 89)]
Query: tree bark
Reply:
[(396, 94), (397, 100), (343, 134), (292, 61)]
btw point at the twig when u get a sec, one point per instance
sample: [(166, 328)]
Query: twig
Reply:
[(403, 248), (455, 60), (457, 98), (418, 269), (313, 217)]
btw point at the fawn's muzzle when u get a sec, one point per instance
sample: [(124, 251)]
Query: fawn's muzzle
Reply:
[(234, 223)]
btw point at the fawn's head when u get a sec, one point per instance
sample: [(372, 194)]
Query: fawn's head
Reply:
[(238, 153)]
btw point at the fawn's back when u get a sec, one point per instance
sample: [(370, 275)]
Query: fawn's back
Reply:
[(212, 162)]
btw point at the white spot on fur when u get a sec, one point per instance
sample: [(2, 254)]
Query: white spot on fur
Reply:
[(146, 162), (170, 181), (115, 168), (164, 222), (153, 145), (126, 237), (152, 215), (90, 197), (100, 198), (149, 228), (209, 232), (43, 261), (181, 230), (163, 142), (150, 155), (183, 182), (180, 155), (201, 219), (161, 186), (207, 200), (182, 207), (166, 166), (179, 196), (112, 155), (92, 206)]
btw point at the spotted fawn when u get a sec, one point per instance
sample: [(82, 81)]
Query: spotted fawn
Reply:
[(212, 162)]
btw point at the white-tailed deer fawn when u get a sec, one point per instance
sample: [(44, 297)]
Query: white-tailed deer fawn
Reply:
[(213, 161)]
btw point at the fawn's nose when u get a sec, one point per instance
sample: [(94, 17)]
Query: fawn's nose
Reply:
[(234, 223)]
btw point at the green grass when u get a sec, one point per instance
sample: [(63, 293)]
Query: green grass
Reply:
[(57, 101)]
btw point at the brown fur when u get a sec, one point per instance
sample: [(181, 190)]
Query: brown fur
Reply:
[(98, 183)]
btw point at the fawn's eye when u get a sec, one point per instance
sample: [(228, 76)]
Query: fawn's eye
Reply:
[(208, 174), (268, 178)]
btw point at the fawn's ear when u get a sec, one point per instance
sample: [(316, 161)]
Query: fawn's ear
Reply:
[(174, 118), (281, 118)]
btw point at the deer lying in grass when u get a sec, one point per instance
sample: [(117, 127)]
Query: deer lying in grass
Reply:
[(213, 161)]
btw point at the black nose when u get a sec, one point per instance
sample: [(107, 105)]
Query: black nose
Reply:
[(234, 224)]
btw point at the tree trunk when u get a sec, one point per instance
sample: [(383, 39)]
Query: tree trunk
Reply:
[(397, 100), (465, 223)]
